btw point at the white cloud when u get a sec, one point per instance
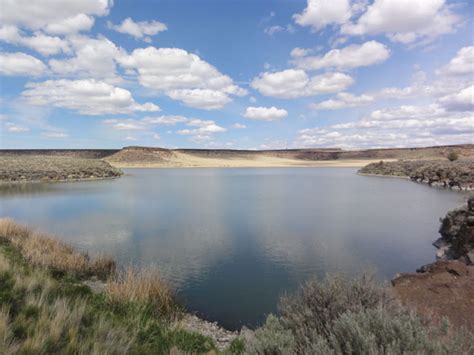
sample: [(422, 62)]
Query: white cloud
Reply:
[(394, 127), (299, 52), (462, 63), (44, 44), (405, 21), (271, 30), (13, 128), (53, 134), (94, 57), (265, 113), (460, 101), (321, 13), (206, 99), (204, 130), (88, 97), (21, 64), (165, 120), (144, 124), (239, 126), (140, 30), (343, 100), (53, 16), (353, 56), (182, 76), (293, 83)]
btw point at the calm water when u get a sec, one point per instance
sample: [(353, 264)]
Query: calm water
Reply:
[(232, 240)]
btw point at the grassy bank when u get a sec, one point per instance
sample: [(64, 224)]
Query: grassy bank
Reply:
[(21, 168), (46, 306)]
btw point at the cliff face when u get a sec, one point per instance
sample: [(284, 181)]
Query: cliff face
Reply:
[(457, 234), (441, 173), (445, 288)]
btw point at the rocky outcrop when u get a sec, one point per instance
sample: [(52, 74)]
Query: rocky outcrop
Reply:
[(440, 173), (457, 234), (445, 288)]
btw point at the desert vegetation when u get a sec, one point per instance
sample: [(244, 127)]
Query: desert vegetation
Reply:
[(20, 168), (46, 305), (456, 174), (337, 316)]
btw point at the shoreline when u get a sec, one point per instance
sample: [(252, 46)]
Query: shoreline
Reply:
[(217, 164), (19, 182)]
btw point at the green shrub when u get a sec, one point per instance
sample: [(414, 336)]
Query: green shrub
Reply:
[(452, 156), (337, 316)]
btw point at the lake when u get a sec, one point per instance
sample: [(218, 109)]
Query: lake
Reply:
[(231, 241)]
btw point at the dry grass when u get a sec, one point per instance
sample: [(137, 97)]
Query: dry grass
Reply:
[(47, 324), (42, 250), (43, 311), (145, 287)]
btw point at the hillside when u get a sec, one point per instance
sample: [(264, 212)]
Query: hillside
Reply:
[(159, 157)]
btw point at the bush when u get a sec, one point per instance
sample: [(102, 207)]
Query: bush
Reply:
[(337, 316), (452, 156)]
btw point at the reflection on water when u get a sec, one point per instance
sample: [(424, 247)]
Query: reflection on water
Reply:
[(232, 240)]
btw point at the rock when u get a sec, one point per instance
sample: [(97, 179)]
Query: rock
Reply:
[(470, 257), (221, 337), (442, 289)]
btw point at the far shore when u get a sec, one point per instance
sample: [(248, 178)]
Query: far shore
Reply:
[(263, 162)]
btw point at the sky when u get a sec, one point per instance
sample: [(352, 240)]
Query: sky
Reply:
[(235, 74)]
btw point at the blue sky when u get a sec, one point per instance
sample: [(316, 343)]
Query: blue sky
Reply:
[(236, 74)]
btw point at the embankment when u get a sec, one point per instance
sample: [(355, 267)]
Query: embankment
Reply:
[(56, 300), (457, 174), (50, 168)]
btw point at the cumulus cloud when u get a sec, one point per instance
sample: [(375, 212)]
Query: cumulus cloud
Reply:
[(293, 83), (88, 97), (265, 113), (203, 131), (53, 16), (271, 30), (21, 64), (93, 57), (139, 30), (462, 63), (14, 128), (239, 126), (321, 13), (394, 127), (146, 123), (404, 21), (43, 44), (460, 101), (206, 99), (182, 76), (299, 52), (353, 56), (343, 100), (53, 134)]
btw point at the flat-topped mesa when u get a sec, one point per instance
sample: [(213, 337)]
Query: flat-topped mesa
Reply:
[(457, 174)]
